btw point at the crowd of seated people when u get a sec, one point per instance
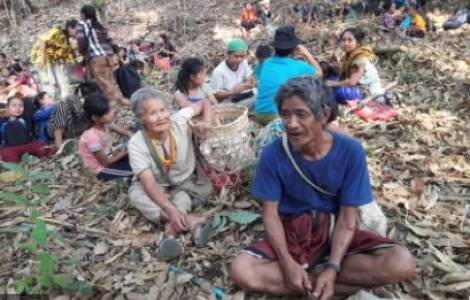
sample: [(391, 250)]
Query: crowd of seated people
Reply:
[(312, 244)]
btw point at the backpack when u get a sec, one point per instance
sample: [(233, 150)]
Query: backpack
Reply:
[(128, 80)]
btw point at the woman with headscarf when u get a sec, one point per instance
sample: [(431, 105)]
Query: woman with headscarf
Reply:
[(358, 75)]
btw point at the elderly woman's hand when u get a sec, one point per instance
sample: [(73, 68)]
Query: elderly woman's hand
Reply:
[(200, 129), (177, 219)]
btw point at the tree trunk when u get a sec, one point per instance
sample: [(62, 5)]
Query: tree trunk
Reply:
[(16, 10)]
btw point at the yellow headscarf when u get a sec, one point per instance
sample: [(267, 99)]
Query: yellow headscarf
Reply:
[(348, 60)]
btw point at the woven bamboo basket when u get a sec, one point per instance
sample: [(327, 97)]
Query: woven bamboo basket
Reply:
[(228, 147)]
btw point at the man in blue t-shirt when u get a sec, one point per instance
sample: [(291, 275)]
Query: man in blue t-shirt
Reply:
[(311, 184), (280, 68)]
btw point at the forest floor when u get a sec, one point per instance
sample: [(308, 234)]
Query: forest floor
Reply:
[(419, 167)]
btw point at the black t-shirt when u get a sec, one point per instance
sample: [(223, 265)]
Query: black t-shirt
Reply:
[(15, 132), (128, 80)]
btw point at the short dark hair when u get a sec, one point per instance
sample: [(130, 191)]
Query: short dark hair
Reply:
[(387, 5), (10, 99), (3, 55), (283, 52), (357, 33), (328, 70), (95, 105), (137, 65), (312, 91), (15, 68), (86, 88), (70, 23), (263, 52), (38, 98)]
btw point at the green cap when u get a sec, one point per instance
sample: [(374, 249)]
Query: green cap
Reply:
[(237, 45)]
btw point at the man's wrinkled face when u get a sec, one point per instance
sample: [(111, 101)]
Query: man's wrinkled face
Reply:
[(302, 127)]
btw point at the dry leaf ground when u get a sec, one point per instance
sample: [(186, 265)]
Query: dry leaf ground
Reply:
[(419, 164)]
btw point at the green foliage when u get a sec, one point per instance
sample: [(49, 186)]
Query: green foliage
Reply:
[(15, 198), (15, 168), (39, 233), (46, 269), (32, 187), (242, 217), (98, 3)]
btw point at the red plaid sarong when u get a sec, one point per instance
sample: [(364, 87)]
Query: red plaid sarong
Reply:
[(309, 236)]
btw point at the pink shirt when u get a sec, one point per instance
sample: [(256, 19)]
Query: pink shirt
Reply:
[(92, 141)]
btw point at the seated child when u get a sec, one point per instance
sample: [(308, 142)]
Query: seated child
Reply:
[(45, 107), (122, 56), (390, 16), (262, 53), (418, 24), (166, 49), (248, 18), (135, 53), (16, 132), (436, 19), (358, 75), (264, 11), (190, 84), (95, 144), (165, 57)]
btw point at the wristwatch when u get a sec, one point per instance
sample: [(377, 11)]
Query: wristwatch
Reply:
[(332, 265)]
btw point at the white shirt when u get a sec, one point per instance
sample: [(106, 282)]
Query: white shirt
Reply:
[(370, 79), (224, 79), (185, 163)]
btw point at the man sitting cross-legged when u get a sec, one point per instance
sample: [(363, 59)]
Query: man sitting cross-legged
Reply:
[(312, 241)]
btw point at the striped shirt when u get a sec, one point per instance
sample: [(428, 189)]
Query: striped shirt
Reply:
[(93, 42), (69, 116)]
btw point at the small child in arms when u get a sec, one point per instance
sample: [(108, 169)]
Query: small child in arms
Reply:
[(95, 144), (45, 107)]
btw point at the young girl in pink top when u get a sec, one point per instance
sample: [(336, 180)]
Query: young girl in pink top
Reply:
[(95, 145)]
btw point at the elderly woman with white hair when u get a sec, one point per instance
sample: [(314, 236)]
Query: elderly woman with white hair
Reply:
[(168, 181)]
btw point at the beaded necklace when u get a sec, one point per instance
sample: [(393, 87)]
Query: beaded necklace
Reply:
[(167, 159)]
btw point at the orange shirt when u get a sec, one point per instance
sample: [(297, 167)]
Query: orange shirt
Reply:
[(248, 15)]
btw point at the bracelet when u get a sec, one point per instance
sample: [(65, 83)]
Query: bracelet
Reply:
[(332, 265)]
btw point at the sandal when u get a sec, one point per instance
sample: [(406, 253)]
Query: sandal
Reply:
[(202, 233), (169, 248)]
